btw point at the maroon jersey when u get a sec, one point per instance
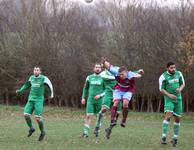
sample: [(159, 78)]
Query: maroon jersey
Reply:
[(127, 85)]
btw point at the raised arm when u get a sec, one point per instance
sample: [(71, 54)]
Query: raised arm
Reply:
[(112, 69), (105, 63), (138, 73)]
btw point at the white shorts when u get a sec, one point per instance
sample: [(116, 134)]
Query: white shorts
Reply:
[(119, 95)]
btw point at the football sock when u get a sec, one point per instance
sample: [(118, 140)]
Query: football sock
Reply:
[(41, 126), (125, 113), (86, 129), (99, 119), (113, 113), (165, 128), (176, 130), (28, 121)]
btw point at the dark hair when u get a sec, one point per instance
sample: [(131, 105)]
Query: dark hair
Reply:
[(97, 64), (37, 67), (170, 64), (122, 68)]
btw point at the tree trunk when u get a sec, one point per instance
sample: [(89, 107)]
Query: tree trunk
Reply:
[(142, 102), (159, 104)]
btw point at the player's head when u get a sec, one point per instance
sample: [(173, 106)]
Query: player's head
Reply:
[(97, 68), (171, 68), (37, 71), (122, 73)]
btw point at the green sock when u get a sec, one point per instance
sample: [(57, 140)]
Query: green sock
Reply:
[(41, 126), (99, 119), (86, 128), (165, 128), (28, 121), (176, 129)]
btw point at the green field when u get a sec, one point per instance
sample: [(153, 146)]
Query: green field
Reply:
[(64, 127)]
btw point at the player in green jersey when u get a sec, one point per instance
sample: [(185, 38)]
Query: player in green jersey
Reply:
[(35, 102), (171, 84), (94, 90), (109, 82)]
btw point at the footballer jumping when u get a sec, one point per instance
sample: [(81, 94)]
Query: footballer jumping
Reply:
[(123, 91)]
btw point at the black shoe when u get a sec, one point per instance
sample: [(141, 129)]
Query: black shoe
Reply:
[(84, 135), (163, 140), (108, 133), (32, 130), (123, 124), (114, 123), (174, 142), (96, 131), (42, 135)]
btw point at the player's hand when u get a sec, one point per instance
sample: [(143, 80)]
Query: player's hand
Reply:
[(141, 71), (103, 59), (17, 91), (83, 101), (178, 90), (172, 96), (97, 97)]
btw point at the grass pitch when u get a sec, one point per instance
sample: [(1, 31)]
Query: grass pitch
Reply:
[(64, 128)]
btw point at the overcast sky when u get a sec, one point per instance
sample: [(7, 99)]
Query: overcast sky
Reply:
[(160, 2)]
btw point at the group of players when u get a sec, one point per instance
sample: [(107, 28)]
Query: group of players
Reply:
[(112, 89), (109, 88)]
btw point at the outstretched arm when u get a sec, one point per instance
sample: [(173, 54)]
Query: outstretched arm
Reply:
[(107, 76), (48, 82), (26, 86), (139, 73)]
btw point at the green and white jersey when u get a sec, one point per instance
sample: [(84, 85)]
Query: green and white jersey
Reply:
[(170, 82), (94, 85), (37, 88), (109, 80)]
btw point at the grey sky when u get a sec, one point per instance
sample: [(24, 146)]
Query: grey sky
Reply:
[(160, 2)]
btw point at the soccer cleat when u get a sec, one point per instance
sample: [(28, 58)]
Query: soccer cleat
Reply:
[(163, 140), (108, 132), (96, 131), (32, 130), (123, 124), (84, 135), (113, 123), (42, 135), (174, 142)]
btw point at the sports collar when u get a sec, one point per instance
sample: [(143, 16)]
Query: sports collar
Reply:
[(37, 76)]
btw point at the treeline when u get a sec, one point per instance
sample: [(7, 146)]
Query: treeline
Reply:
[(66, 38)]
